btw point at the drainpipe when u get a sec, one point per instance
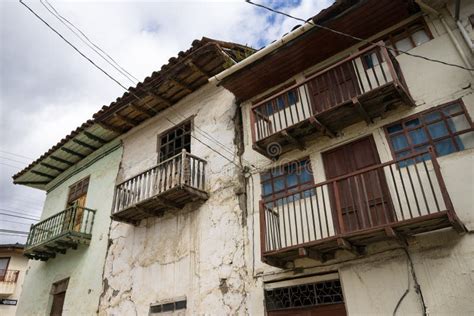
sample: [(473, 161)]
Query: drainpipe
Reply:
[(463, 56), (263, 52)]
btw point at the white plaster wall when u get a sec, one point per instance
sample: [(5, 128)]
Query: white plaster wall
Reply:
[(443, 260), (17, 262), (83, 266), (198, 252)]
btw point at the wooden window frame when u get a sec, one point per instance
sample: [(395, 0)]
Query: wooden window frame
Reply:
[(412, 148), (6, 268), (274, 196), (73, 197), (189, 121)]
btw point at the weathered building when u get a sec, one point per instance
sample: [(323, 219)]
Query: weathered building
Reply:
[(12, 273), (361, 199)]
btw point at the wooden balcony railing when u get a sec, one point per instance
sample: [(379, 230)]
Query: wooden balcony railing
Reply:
[(363, 86), (9, 276), (59, 232), (393, 199), (169, 185)]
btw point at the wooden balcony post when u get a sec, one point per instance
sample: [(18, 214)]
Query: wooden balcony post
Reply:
[(444, 192), (388, 60), (337, 199), (263, 227), (184, 168)]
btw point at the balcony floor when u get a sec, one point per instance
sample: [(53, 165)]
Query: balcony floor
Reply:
[(173, 199), (356, 242), (372, 104), (55, 245)]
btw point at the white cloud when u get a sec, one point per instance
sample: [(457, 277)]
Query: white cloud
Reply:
[(47, 89)]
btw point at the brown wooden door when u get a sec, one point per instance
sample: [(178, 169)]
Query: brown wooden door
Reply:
[(364, 198), (323, 310), (333, 87), (58, 303)]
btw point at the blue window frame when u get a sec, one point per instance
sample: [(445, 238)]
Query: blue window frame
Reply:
[(447, 128)]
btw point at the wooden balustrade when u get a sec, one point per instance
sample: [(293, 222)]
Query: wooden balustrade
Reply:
[(360, 87), (403, 196), (63, 230), (170, 184), (9, 276)]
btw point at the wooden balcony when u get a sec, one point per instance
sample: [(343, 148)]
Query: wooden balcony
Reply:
[(170, 185), (359, 88), (64, 230), (392, 200), (8, 279)]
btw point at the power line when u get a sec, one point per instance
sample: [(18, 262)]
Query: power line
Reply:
[(87, 41), (13, 160), (16, 232), (5, 164), (6, 214), (74, 47), (399, 51), (22, 212), (4, 220), (13, 154)]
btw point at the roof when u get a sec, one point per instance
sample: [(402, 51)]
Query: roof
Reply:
[(9, 247), (181, 76), (360, 18)]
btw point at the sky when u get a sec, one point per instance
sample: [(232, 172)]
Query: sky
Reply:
[(47, 89)]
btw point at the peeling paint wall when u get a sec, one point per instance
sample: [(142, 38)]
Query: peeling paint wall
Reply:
[(83, 266), (197, 252), (443, 260)]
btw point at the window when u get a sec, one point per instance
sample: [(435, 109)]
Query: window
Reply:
[(168, 307), (4, 267), (283, 180), (447, 129), (304, 295), (409, 36), (58, 290), (174, 141)]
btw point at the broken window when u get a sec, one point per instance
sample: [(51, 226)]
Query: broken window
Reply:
[(174, 141)]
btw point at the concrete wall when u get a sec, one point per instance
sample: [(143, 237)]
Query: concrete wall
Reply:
[(83, 266), (443, 261), (197, 252), (17, 262)]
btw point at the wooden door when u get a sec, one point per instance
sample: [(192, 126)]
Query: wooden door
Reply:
[(323, 310), (58, 303), (333, 87), (364, 198)]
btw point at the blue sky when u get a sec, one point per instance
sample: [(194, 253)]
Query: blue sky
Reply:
[(47, 89)]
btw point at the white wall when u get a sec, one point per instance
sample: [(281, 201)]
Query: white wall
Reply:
[(17, 262)]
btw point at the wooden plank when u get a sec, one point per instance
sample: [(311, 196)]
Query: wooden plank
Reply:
[(64, 161), (324, 129), (311, 253), (72, 152), (47, 165), (43, 174), (126, 120), (360, 109), (111, 128), (85, 145), (347, 246), (140, 110), (95, 138), (299, 143), (160, 98), (197, 69)]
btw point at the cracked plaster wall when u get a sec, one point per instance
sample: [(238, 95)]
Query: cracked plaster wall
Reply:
[(197, 252)]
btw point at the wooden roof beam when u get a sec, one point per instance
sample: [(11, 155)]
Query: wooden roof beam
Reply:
[(126, 120), (64, 161), (95, 138), (86, 145), (360, 109), (160, 98), (72, 152), (197, 69), (324, 129), (47, 165), (31, 182), (111, 128), (42, 174), (180, 84), (141, 110)]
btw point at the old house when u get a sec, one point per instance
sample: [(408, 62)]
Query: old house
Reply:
[(361, 197), (12, 273)]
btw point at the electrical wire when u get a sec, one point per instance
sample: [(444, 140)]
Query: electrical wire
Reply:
[(51, 9), (359, 39), (12, 215), (13, 154), (12, 166), (7, 221)]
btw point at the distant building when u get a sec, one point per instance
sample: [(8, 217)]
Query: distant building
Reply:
[(12, 273)]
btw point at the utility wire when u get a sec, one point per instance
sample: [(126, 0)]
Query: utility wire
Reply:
[(13, 154), (13, 160), (87, 41), (399, 51), (74, 47), (6, 214), (7, 221), (20, 213), (16, 232), (5, 164)]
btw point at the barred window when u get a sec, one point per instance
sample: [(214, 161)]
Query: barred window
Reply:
[(78, 190), (304, 295), (447, 129), (175, 140), (286, 179)]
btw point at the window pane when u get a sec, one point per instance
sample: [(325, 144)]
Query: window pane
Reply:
[(292, 180), (267, 188), (418, 136), (465, 141), (265, 176), (292, 97), (280, 101), (404, 44), (399, 142), (432, 116), (306, 175), (394, 128), (279, 184), (458, 123), (420, 37), (412, 123), (454, 108), (438, 130), (445, 147)]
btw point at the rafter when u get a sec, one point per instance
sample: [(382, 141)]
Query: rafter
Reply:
[(324, 129), (140, 110), (86, 145), (126, 120), (181, 84), (111, 128), (31, 182), (64, 161), (72, 152), (95, 138), (47, 165), (360, 109), (195, 68), (297, 142), (312, 254), (160, 98), (42, 174)]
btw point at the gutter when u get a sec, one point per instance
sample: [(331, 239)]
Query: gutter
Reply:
[(436, 13), (261, 53)]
